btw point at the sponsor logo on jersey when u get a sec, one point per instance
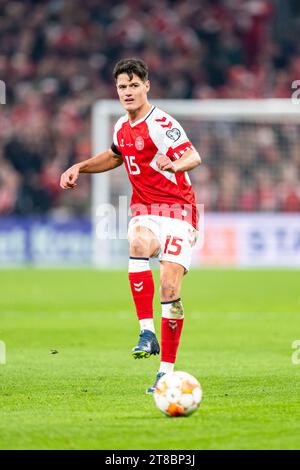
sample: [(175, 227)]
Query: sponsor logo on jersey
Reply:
[(173, 134), (139, 143)]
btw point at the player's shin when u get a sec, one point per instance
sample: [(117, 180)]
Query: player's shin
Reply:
[(171, 327), (142, 288)]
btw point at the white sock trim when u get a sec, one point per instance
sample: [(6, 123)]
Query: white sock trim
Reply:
[(172, 310), (147, 324), (166, 367), (137, 265)]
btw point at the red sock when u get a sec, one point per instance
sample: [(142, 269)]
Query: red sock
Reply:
[(170, 332), (170, 338), (142, 288)]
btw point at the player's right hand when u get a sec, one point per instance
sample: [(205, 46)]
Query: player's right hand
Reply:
[(69, 177)]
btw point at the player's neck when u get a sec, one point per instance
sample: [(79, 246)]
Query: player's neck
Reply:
[(139, 113)]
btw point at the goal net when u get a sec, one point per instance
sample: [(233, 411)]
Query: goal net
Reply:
[(248, 182)]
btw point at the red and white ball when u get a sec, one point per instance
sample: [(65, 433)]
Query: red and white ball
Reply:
[(178, 394)]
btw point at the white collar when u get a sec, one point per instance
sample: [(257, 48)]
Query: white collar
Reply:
[(142, 119)]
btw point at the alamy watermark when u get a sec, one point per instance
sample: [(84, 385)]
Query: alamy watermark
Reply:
[(296, 93), (111, 222), (296, 353), (2, 92), (2, 353)]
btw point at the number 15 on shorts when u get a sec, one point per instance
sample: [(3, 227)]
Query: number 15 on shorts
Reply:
[(173, 245)]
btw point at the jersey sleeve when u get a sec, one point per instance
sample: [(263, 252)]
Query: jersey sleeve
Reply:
[(171, 138)]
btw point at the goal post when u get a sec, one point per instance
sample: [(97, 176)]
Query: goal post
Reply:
[(241, 133)]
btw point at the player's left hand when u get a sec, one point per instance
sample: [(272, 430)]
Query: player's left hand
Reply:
[(164, 163)]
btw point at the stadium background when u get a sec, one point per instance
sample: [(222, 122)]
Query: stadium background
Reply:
[(57, 66), (66, 361)]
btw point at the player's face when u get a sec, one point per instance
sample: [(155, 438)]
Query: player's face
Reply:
[(132, 93)]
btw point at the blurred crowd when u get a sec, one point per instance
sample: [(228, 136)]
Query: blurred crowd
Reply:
[(249, 166), (56, 59)]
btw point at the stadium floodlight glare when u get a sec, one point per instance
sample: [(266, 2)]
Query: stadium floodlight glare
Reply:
[(253, 119)]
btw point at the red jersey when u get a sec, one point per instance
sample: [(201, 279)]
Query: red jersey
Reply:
[(155, 191)]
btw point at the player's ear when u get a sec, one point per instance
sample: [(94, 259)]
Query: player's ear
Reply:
[(147, 85)]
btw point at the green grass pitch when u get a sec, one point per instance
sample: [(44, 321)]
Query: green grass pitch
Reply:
[(237, 340)]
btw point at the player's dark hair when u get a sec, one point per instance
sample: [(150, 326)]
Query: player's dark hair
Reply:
[(131, 66)]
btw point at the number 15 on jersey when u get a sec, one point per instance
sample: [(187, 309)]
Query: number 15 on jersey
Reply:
[(132, 166)]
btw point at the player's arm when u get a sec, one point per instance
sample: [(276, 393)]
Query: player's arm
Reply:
[(104, 161), (177, 152), (189, 160)]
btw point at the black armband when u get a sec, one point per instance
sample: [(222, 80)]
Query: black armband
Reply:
[(115, 149)]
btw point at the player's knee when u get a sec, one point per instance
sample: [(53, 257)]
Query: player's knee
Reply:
[(139, 247), (169, 290)]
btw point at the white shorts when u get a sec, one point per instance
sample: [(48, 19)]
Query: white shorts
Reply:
[(176, 237)]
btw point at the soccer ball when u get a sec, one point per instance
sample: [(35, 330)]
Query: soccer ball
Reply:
[(178, 394)]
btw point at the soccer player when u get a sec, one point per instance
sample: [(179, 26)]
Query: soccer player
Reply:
[(157, 155)]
